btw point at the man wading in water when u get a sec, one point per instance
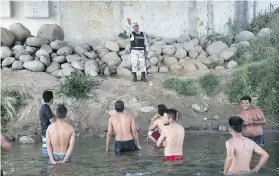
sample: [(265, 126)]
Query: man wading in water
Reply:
[(253, 121), (240, 150), (60, 138), (174, 136), (139, 48), (125, 131), (156, 124), (46, 118)]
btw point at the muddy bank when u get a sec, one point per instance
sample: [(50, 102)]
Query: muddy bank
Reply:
[(89, 117)]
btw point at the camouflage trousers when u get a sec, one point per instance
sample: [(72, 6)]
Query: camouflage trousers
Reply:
[(138, 60)]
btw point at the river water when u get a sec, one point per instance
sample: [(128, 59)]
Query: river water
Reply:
[(203, 156)]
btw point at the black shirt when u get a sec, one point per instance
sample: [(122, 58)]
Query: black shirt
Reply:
[(45, 115)]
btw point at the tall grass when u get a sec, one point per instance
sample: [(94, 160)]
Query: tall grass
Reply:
[(210, 84), (182, 87)]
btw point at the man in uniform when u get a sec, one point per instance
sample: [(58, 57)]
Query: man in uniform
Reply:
[(139, 48)]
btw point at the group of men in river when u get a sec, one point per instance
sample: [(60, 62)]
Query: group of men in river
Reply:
[(58, 137)]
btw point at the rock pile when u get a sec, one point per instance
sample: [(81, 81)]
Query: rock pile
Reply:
[(49, 53)]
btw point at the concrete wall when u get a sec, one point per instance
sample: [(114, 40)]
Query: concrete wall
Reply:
[(86, 20)]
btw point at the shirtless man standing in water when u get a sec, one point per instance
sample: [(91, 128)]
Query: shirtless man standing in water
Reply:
[(253, 121), (60, 138), (156, 124), (174, 136), (125, 131), (240, 150)]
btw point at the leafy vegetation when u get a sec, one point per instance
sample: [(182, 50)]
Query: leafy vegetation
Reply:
[(123, 35), (210, 84), (77, 85), (228, 39), (182, 87)]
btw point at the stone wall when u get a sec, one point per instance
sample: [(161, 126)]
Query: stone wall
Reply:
[(83, 21)]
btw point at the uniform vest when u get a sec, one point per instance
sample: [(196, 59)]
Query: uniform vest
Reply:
[(138, 40)]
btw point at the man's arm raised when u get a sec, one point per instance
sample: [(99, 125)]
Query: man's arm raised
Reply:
[(71, 147), (109, 133), (229, 158), (135, 133)]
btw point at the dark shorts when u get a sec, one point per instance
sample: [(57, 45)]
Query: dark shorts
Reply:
[(258, 139), (155, 135), (125, 146)]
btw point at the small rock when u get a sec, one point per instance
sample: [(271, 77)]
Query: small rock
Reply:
[(107, 71), (244, 36), (216, 117), (201, 107), (78, 65), (57, 73), (59, 59), (151, 54), (204, 53), (26, 140), (201, 57), (244, 44), (122, 43), (122, 53), (123, 72), (53, 55), (163, 69), (227, 54), (147, 109), (264, 32), (67, 71), (189, 67), (180, 53), (193, 54), (112, 46), (47, 48), (5, 52), (169, 60), (45, 60), (216, 47), (64, 51), (220, 68), (80, 50), (6, 69), (169, 50), (188, 46), (8, 61), (195, 41), (223, 128), (17, 48), (232, 64), (169, 41), (154, 61), (42, 52), (57, 44), (182, 62), (91, 55), (30, 49), (35, 66), (91, 68), (183, 38), (86, 46), (153, 69), (198, 49), (112, 59), (36, 41), (54, 66), (177, 45), (65, 65), (126, 62), (17, 65), (175, 67), (25, 58), (201, 66), (71, 58)]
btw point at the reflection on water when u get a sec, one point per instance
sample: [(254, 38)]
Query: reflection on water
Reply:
[(203, 156)]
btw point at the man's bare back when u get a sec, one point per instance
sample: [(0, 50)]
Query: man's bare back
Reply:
[(125, 130)]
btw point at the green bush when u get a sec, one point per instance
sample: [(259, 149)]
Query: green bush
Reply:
[(77, 85), (123, 35), (213, 64), (182, 87), (210, 84), (12, 100), (260, 22), (261, 81)]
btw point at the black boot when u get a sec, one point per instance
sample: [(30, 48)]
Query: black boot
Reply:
[(143, 78), (135, 76)]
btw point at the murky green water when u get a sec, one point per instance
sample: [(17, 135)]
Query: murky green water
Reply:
[(203, 155)]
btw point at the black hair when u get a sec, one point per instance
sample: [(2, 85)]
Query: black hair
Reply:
[(47, 96), (236, 123), (172, 113), (246, 97), (161, 109), (61, 111), (119, 106)]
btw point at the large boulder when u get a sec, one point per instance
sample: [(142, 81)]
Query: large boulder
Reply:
[(20, 32), (198, 49), (126, 62), (57, 44), (21, 52), (177, 45), (175, 67), (57, 73), (8, 61), (41, 52), (232, 64), (169, 60), (189, 67), (91, 68), (169, 41), (227, 54), (5, 52), (65, 65), (153, 69), (79, 65), (64, 51), (163, 69), (151, 54), (7, 37), (122, 42), (264, 32), (123, 72), (71, 58), (216, 48), (188, 46), (112, 46), (54, 66), (154, 61), (30, 49), (169, 50), (180, 53), (26, 140), (25, 58), (193, 54), (35, 66), (183, 38), (51, 32), (112, 59), (244, 36), (79, 50), (17, 65), (67, 71), (18, 48), (91, 55), (45, 60), (47, 48), (59, 59), (36, 41)]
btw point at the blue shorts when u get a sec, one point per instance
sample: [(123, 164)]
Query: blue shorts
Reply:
[(59, 156), (44, 147), (258, 139)]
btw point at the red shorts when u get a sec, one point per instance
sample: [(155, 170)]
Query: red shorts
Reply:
[(155, 135), (174, 157)]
